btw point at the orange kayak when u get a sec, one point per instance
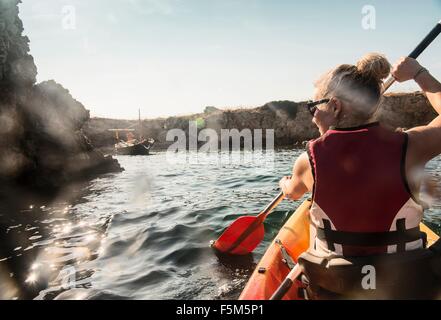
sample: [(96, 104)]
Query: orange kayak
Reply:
[(293, 239)]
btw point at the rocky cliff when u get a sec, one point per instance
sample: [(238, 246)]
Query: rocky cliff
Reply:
[(42, 146), (291, 121)]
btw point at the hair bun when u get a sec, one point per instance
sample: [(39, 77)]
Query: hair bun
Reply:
[(374, 65)]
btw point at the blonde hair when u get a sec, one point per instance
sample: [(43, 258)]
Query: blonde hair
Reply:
[(359, 85)]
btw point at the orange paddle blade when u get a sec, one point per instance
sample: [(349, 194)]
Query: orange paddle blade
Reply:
[(242, 236)]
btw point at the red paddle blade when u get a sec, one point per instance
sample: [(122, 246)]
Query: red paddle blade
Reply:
[(241, 237)]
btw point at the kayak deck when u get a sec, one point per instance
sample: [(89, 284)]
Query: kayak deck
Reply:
[(294, 237)]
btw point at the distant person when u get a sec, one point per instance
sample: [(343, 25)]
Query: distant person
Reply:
[(363, 177), (130, 137)]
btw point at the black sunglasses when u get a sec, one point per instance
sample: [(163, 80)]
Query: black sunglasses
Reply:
[(312, 106)]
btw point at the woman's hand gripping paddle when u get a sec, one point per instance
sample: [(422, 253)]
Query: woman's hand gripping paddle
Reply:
[(246, 233), (417, 51)]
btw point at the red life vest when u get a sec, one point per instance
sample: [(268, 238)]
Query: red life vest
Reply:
[(362, 204)]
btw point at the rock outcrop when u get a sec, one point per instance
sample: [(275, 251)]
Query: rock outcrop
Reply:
[(405, 110), (291, 121), (42, 146)]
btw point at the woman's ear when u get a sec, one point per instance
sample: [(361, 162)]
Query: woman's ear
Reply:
[(337, 107)]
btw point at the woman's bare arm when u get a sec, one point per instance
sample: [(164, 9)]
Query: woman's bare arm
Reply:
[(424, 141), (300, 182), (432, 89)]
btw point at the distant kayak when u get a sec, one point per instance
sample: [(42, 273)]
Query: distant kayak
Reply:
[(290, 243)]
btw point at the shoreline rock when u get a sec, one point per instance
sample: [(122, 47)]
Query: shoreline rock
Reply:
[(290, 120), (42, 145)]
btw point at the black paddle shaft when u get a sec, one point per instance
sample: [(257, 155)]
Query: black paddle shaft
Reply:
[(426, 41), (282, 290), (417, 51)]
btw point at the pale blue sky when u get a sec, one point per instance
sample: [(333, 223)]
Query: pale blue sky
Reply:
[(171, 57)]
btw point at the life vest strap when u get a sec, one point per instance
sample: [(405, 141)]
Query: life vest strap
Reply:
[(370, 239)]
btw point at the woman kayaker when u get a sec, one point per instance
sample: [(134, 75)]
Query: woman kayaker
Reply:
[(365, 179)]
